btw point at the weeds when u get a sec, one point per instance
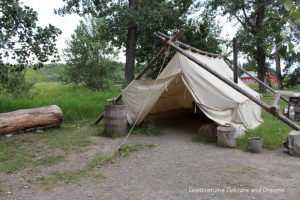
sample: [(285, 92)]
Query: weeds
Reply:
[(48, 160)]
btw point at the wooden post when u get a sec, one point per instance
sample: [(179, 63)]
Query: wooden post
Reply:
[(294, 143), (233, 85), (148, 66), (275, 106), (235, 60)]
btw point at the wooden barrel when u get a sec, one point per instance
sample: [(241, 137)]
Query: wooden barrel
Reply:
[(115, 119)]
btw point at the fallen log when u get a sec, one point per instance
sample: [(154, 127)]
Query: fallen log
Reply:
[(28, 119)]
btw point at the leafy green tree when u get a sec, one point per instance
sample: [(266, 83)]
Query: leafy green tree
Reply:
[(22, 43), (131, 23), (292, 69), (262, 23), (89, 55)]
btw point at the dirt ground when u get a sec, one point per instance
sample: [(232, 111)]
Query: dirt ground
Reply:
[(178, 168)]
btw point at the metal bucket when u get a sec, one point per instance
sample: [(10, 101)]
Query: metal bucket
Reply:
[(255, 144), (115, 119)]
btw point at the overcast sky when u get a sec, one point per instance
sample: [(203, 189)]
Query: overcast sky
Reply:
[(45, 9), (68, 23)]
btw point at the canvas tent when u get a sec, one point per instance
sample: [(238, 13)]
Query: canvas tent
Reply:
[(183, 84)]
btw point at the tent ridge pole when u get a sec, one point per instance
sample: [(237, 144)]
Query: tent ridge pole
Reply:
[(232, 84), (225, 57), (186, 46)]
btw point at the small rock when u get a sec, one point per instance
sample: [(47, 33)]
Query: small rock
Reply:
[(8, 135), (8, 193), (39, 131)]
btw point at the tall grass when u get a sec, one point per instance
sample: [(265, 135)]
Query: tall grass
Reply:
[(77, 102), (272, 130)]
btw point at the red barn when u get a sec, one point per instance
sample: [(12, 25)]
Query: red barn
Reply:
[(271, 76)]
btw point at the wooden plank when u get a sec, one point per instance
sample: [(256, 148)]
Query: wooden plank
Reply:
[(233, 85)]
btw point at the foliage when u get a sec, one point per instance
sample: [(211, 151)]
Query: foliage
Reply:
[(131, 23), (88, 56), (292, 69), (21, 40), (263, 28), (293, 79), (13, 83), (78, 103), (22, 43)]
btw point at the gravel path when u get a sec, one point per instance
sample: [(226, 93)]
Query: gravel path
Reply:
[(178, 168)]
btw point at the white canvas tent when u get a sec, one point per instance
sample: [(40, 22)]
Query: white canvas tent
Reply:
[(183, 84)]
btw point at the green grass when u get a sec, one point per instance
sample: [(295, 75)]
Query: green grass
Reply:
[(147, 131), (68, 177), (100, 159), (77, 102), (129, 148), (91, 170), (48, 160), (272, 130), (205, 139), (18, 152), (69, 137)]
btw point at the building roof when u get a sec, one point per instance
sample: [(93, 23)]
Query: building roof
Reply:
[(244, 75)]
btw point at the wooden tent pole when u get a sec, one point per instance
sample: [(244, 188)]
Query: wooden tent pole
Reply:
[(264, 84), (232, 84), (186, 46), (177, 36), (181, 44), (235, 60)]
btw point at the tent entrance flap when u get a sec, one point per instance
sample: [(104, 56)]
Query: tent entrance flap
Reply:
[(182, 85), (176, 102)]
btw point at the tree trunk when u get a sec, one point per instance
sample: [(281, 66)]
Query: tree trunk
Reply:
[(259, 54), (132, 37), (22, 120), (278, 70)]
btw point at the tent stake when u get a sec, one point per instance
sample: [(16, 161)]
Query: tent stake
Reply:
[(177, 36), (232, 84)]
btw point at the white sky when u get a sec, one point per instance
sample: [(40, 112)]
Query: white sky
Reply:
[(45, 9), (68, 23)]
